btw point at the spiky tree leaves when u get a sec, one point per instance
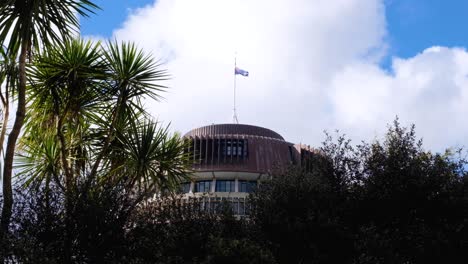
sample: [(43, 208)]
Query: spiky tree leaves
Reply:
[(40, 22), (86, 124), (133, 76), (86, 103), (66, 87), (149, 158), (28, 24), (73, 72)]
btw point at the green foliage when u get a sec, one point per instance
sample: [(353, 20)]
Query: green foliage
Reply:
[(90, 155), (387, 201), (233, 251), (86, 120), (107, 228), (412, 203), (25, 26), (301, 214), (154, 159), (133, 72), (39, 21), (8, 72)]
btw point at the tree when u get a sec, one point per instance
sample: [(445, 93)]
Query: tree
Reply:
[(387, 201), (30, 24), (87, 130), (302, 216), (86, 102), (411, 203)]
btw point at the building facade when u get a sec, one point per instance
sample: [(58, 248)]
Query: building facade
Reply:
[(230, 160)]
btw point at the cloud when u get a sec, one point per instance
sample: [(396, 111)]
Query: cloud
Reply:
[(313, 65), (430, 90)]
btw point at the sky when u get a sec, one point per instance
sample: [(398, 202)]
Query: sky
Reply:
[(315, 65)]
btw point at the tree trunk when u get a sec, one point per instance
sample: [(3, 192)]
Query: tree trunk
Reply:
[(69, 186), (6, 115), (120, 100), (11, 144)]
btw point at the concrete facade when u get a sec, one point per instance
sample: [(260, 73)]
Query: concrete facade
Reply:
[(230, 160)]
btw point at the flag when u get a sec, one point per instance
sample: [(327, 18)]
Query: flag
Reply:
[(241, 72)]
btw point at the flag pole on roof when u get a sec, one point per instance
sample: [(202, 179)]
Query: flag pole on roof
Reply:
[(236, 72), (234, 112)]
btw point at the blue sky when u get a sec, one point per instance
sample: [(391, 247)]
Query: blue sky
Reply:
[(314, 65), (414, 25), (112, 14)]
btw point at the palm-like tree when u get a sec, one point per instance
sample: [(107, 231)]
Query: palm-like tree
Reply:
[(87, 121), (148, 159), (68, 82), (8, 80), (133, 75), (30, 24)]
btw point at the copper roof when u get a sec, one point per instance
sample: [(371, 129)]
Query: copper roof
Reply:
[(233, 129)]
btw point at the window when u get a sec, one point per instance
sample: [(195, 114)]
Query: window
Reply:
[(184, 187), (225, 186), (203, 186), (217, 150), (247, 186), (234, 147)]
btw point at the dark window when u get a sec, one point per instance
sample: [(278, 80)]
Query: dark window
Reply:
[(291, 155), (247, 186), (234, 147), (203, 186), (245, 147), (225, 186), (214, 151)]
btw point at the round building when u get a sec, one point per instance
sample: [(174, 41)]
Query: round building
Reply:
[(229, 160)]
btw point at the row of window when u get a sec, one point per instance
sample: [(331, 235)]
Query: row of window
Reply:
[(217, 151), (235, 148), (221, 186)]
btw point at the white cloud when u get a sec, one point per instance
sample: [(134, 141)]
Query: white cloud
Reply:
[(313, 66), (430, 90)]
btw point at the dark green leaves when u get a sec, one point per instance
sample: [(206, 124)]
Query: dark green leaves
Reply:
[(134, 74), (36, 22), (151, 156), (86, 112)]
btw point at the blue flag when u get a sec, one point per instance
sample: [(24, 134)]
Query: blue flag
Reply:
[(241, 72)]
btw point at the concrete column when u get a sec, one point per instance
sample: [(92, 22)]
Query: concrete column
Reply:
[(236, 185), (192, 187), (213, 185)]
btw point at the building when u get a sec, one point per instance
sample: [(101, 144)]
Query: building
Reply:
[(230, 160)]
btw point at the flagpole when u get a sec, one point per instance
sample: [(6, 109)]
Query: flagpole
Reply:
[(234, 116)]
